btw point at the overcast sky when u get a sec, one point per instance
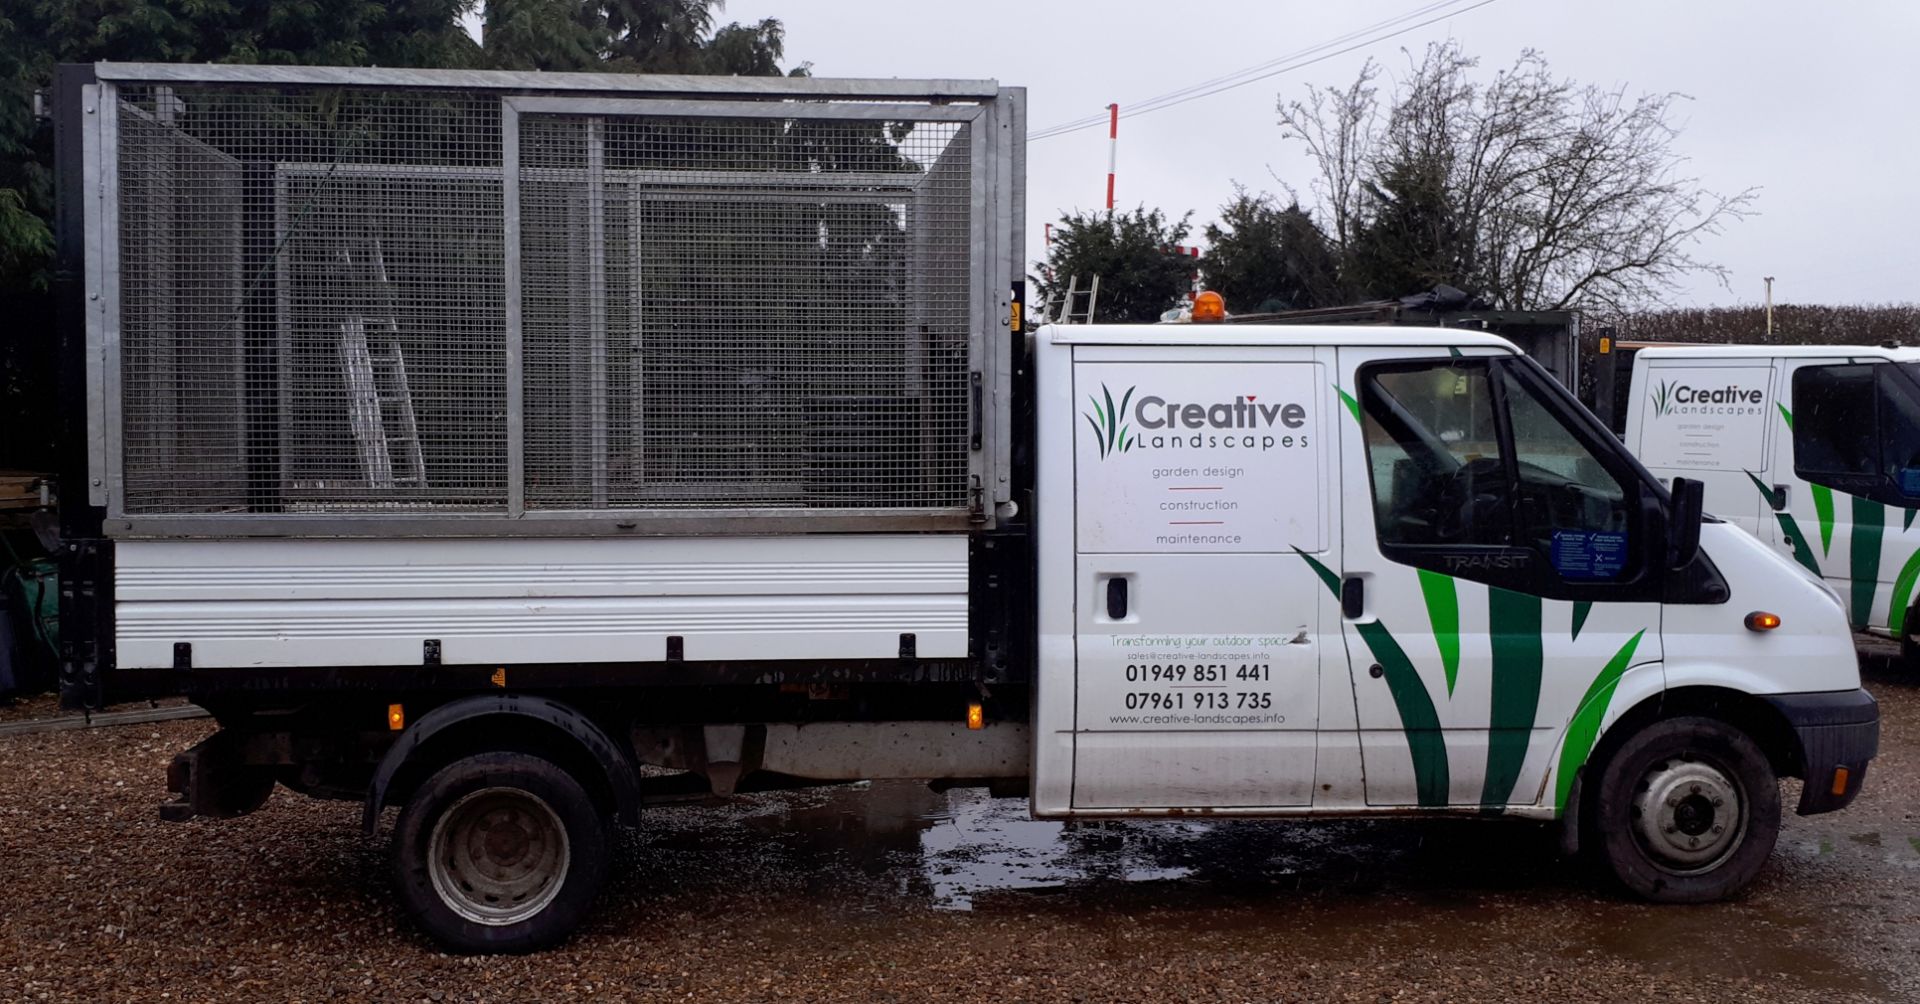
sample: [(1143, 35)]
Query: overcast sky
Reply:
[(1816, 104)]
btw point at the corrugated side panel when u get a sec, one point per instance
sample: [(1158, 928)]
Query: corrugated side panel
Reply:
[(320, 602)]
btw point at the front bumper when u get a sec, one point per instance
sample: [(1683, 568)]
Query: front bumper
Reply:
[(1838, 733)]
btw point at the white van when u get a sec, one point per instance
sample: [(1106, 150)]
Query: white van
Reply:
[(1815, 449), (1348, 569)]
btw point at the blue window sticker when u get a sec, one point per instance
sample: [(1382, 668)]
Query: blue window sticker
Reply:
[(1589, 555), (1910, 481)]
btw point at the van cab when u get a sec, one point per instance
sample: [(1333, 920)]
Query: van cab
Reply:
[(1342, 570), (1814, 449)]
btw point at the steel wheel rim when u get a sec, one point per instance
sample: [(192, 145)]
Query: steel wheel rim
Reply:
[(1689, 815), (498, 856)]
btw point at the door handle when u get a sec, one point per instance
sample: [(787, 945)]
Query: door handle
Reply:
[(1353, 597), (1779, 498), (1116, 599)]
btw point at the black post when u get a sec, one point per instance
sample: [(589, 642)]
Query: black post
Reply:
[(84, 554)]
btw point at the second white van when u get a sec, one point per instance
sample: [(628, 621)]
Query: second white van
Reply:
[(1812, 448)]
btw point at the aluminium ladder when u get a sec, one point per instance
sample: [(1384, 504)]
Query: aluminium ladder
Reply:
[(1069, 310), (386, 429)]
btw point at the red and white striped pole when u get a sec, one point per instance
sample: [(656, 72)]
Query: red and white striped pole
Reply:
[(1113, 149)]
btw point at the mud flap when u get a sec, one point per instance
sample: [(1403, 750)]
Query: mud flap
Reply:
[(1570, 817)]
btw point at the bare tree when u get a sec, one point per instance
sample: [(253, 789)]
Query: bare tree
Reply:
[(1338, 127), (1533, 191)]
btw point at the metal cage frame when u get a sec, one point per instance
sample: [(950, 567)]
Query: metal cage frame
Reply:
[(994, 116)]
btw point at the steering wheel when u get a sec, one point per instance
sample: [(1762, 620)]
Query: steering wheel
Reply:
[(1471, 498)]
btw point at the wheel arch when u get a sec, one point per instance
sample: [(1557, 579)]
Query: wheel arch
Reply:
[(521, 723), (1761, 721), (1752, 715)]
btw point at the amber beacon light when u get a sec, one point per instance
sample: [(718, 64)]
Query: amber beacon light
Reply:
[(1760, 620), (1209, 306)]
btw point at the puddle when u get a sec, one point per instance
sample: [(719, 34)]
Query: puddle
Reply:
[(978, 844), (1763, 946), (1453, 888), (951, 849), (1899, 852)]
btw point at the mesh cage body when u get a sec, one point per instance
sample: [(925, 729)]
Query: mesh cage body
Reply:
[(343, 301)]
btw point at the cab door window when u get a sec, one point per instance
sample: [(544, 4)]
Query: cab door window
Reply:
[(1856, 427), (1477, 473), (1567, 505), (1434, 449)]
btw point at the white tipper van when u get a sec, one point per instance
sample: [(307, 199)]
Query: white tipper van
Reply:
[(1815, 449), (521, 450)]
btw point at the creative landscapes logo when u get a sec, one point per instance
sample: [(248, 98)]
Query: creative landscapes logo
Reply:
[(1109, 432), (1669, 397), (1662, 398), (1151, 422)]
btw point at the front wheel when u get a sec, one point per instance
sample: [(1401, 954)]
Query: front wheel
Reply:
[(500, 852), (1687, 811)]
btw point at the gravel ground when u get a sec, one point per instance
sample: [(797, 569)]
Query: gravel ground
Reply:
[(46, 707), (892, 893), (17, 709)]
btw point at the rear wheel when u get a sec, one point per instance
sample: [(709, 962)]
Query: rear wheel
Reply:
[(500, 852), (1687, 811)]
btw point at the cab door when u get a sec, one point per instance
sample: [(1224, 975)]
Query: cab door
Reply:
[(1809, 517), (1198, 473), (1850, 464), (1498, 561)]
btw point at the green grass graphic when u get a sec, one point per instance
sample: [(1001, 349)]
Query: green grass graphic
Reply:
[(1109, 432), (1347, 399), (1514, 620), (1903, 595), (1443, 612), (1663, 398), (1419, 720), (1823, 510), (1869, 525), (1584, 730), (1790, 528)]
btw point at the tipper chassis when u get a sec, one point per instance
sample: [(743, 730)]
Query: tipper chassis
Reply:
[(544, 418)]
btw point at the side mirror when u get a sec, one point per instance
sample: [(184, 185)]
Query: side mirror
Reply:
[(1683, 528)]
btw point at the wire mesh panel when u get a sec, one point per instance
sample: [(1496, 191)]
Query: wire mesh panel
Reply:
[(184, 370), (332, 301), (311, 302), (739, 312), (392, 348)]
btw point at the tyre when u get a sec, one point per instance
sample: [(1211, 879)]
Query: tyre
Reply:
[(1910, 645), (499, 852), (1687, 811)]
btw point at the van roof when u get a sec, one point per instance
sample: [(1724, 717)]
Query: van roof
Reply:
[(1901, 354), (1304, 335)]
